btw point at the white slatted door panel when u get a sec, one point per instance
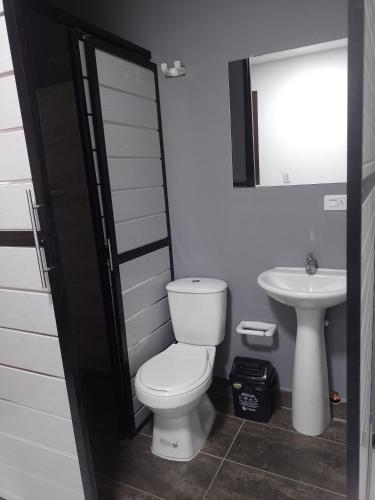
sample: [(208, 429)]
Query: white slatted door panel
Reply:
[(138, 232), (149, 346), (15, 484), (5, 57), (131, 142), (30, 351), (37, 311), (123, 75), (135, 203), (128, 109), (142, 268), (146, 321), (38, 427), (41, 462), (14, 159), (125, 173), (33, 390), (10, 116), (145, 294), (19, 268), (14, 211)]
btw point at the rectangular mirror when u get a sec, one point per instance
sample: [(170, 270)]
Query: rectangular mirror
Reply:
[(289, 116)]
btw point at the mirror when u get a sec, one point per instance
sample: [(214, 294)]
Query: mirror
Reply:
[(289, 116)]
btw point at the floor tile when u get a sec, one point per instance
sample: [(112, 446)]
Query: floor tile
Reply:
[(239, 482), (340, 411), (132, 462), (313, 461), (336, 431), (113, 490), (222, 435)]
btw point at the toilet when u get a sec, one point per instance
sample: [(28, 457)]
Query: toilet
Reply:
[(173, 384)]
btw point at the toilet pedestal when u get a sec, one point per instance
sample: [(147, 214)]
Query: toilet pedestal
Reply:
[(181, 434)]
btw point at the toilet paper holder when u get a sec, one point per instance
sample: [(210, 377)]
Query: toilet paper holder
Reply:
[(256, 328)]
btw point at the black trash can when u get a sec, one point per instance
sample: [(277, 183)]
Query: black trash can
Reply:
[(255, 388)]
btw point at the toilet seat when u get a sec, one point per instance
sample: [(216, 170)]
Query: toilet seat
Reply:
[(179, 369)]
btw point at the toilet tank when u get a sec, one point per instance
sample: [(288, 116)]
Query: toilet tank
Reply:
[(198, 310)]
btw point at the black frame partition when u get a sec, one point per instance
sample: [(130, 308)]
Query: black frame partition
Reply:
[(87, 395)]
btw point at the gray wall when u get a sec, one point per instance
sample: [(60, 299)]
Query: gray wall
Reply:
[(219, 231)]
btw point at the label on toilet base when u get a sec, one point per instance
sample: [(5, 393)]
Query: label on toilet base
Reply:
[(166, 442)]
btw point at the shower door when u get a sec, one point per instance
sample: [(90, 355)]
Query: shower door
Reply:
[(121, 114)]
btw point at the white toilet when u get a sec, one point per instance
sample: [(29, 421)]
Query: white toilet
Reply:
[(173, 384)]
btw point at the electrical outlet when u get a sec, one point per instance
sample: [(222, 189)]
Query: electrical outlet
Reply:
[(335, 202)]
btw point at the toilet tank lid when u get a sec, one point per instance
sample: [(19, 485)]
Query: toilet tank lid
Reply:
[(197, 285)]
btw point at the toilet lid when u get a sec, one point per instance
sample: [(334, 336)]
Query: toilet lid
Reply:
[(178, 368)]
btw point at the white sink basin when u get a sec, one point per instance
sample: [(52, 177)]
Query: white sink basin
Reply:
[(294, 287), (310, 295)]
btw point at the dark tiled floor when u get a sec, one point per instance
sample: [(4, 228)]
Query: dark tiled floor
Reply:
[(241, 460)]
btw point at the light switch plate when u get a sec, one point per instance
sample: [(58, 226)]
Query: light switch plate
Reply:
[(335, 202)]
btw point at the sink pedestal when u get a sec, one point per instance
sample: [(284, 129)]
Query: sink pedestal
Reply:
[(310, 398)]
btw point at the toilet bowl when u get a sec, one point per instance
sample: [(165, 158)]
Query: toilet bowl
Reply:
[(173, 384)]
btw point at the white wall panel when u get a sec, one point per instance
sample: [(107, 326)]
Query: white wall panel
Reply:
[(135, 203), (33, 390), (124, 75), (145, 294), (36, 426), (139, 232), (41, 462), (140, 269), (30, 351), (14, 211), (14, 159), (10, 115), (148, 347), (137, 405), (141, 416), (37, 311), (5, 57), (146, 321), (15, 484), (19, 268), (132, 142), (1, 7), (125, 173), (129, 109)]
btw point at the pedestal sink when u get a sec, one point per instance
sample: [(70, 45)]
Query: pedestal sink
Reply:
[(310, 295)]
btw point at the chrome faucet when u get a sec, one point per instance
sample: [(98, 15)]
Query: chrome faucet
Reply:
[(311, 264)]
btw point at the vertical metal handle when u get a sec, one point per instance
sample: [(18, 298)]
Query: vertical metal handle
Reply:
[(34, 227)]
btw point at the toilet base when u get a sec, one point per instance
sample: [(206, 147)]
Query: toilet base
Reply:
[(180, 436)]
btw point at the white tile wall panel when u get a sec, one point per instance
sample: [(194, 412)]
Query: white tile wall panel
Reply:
[(141, 416), (142, 268), (10, 116), (125, 173), (148, 347), (5, 57), (1, 7), (33, 390), (124, 75), (87, 95), (14, 160), (146, 321), (19, 268), (15, 484), (128, 109), (131, 142), (14, 211), (137, 405), (31, 351), (41, 462), (145, 294), (83, 57), (38, 427), (37, 311), (92, 133), (135, 203), (138, 232)]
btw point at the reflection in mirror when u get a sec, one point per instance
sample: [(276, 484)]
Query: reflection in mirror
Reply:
[(296, 131)]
